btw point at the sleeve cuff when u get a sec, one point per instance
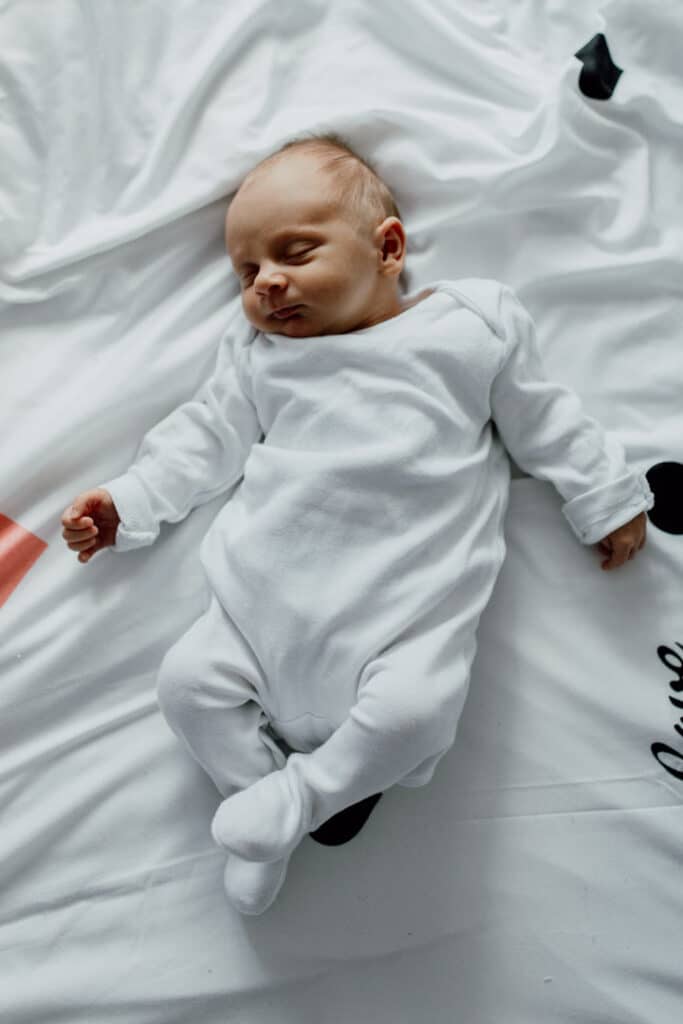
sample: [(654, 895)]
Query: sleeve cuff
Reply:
[(596, 513), (134, 529)]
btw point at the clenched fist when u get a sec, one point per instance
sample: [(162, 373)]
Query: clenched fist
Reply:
[(90, 523), (622, 544)]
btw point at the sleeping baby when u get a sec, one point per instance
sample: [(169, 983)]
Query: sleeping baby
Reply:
[(368, 432)]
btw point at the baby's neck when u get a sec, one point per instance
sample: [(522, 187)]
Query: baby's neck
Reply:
[(395, 308), (403, 305)]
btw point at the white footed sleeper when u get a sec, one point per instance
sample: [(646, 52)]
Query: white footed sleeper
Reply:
[(350, 567)]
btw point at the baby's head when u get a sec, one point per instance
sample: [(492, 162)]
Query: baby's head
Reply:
[(313, 226)]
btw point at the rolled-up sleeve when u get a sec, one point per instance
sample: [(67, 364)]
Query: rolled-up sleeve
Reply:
[(547, 431)]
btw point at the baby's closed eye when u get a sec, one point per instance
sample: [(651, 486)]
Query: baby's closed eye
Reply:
[(293, 258)]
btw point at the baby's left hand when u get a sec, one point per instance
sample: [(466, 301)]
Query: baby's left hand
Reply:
[(622, 544)]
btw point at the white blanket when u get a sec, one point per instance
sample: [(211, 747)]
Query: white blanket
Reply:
[(549, 840)]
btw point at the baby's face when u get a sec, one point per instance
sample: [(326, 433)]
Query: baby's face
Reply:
[(290, 246)]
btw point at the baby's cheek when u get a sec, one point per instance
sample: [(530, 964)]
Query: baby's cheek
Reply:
[(251, 311), (331, 288)]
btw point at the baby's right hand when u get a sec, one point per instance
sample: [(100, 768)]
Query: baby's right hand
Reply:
[(90, 523)]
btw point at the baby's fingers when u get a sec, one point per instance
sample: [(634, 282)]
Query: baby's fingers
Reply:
[(76, 533), (73, 521), (83, 543), (89, 549)]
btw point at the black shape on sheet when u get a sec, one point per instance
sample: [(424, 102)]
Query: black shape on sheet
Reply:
[(662, 752), (599, 74), (666, 483), (345, 824)]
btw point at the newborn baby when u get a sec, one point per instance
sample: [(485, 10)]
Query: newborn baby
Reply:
[(350, 568)]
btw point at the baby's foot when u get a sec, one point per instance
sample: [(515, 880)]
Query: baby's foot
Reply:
[(252, 887), (264, 822)]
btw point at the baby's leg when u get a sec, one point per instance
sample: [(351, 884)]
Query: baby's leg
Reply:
[(409, 703), (206, 692)]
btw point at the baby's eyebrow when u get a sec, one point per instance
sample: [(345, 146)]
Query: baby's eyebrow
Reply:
[(295, 233)]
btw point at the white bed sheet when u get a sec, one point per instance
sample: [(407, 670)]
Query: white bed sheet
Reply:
[(536, 878)]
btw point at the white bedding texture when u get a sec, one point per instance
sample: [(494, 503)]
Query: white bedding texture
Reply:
[(535, 879)]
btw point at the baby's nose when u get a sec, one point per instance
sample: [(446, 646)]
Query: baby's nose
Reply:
[(267, 277)]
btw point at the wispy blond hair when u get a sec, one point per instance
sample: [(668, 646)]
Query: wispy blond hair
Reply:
[(357, 187)]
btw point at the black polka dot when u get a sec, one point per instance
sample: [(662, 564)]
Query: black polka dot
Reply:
[(599, 74), (666, 483), (346, 824)]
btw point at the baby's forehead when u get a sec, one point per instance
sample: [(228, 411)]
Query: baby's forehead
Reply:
[(280, 220), (285, 206), (297, 180)]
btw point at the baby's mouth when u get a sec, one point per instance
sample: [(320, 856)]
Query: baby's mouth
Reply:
[(283, 314)]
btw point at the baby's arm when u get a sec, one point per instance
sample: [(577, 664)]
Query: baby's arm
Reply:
[(548, 433), (195, 453)]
